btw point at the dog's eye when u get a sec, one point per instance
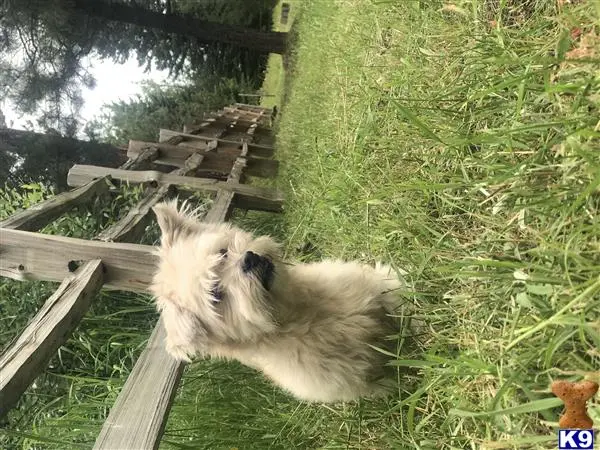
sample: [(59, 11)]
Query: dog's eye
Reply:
[(223, 252)]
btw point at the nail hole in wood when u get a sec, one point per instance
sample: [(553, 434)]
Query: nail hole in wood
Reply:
[(73, 266)]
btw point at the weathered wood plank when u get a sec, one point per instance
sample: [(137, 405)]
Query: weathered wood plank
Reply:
[(256, 167), (143, 159), (251, 108), (264, 151), (221, 208), (131, 227), (213, 129), (38, 216), (137, 419), (190, 166), (250, 197), (34, 256), (27, 357), (219, 161), (224, 201)]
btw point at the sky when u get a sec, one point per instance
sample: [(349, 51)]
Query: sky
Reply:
[(113, 82)]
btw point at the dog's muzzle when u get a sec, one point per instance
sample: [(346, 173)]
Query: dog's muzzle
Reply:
[(260, 266)]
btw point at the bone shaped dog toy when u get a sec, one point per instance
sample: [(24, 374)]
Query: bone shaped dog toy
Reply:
[(575, 397)]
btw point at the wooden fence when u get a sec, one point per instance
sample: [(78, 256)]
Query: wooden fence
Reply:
[(213, 156)]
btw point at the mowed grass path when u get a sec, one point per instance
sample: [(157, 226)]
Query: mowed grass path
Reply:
[(459, 142)]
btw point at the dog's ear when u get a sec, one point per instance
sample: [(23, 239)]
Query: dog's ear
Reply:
[(173, 223)]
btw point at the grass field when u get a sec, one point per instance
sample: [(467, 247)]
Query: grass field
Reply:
[(458, 141)]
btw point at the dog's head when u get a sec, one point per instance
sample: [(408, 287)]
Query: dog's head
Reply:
[(213, 282)]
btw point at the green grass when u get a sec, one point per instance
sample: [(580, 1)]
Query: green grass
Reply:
[(274, 82), (457, 143)]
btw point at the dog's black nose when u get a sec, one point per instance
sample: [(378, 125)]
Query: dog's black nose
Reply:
[(259, 266), (251, 261)]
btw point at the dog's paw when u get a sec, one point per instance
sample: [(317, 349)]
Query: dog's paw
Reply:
[(388, 270), (178, 352), (393, 278)]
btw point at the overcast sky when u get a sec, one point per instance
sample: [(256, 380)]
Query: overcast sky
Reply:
[(113, 82)]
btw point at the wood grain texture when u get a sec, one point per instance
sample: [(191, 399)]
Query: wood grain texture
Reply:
[(138, 417), (28, 356), (41, 214), (264, 151), (220, 160), (143, 159), (248, 197), (35, 256), (224, 201), (131, 227)]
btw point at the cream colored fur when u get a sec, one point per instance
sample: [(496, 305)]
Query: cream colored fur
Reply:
[(311, 330)]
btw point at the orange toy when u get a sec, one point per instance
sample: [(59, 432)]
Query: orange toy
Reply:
[(575, 397)]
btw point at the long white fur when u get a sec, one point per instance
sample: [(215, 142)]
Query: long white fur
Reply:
[(312, 332)]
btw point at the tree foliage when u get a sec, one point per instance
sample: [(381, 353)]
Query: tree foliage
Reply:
[(45, 46), (162, 106), (27, 157)]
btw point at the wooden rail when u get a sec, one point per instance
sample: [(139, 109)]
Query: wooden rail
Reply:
[(264, 151), (35, 256), (138, 418), (140, 413), (217, 159), (248, 197), (41, 214), (49, 329)]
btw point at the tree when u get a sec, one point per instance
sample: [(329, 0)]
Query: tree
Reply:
[(263, 41), (159, 106), (44, 44), (27, 156)]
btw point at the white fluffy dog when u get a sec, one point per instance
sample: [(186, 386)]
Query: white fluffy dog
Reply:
[(311, 328)]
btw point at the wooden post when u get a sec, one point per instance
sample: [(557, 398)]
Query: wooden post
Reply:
[(34, 256), (27, 357), (223, 204), (248, 197), (38, 216), (137, 419)]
